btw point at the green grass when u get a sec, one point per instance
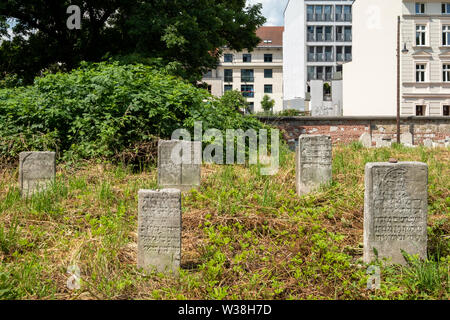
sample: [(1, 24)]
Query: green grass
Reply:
[(245, 236)]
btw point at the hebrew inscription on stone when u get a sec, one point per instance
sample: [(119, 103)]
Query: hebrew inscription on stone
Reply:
[(396, 211), (159, 230), (313, 163)]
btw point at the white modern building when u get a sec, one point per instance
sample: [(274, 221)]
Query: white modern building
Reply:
[(370, 80), (255, 73), (317, 41)]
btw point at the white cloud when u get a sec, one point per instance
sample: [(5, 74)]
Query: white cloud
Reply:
[(272, 10)]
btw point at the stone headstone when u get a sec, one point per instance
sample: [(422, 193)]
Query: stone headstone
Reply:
[(366, 140), (177, 169), (395, 210), (159, 230), (428, 143), (406, 139), (37, 171), (313, 163), (383, 142)]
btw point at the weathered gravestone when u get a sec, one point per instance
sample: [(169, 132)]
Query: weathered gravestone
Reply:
[(395, 210), (366, 140), (37, 171), (179, 164), (313, 162), (159, 230)]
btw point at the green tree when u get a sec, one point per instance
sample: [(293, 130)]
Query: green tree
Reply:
[(234, 100), (186, 35), (267, 104)]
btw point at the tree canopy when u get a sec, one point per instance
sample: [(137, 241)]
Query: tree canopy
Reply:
[(186, 35)]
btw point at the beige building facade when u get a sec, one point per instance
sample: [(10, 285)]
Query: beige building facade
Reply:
[(426, 65), (255, 73), (370, 80)]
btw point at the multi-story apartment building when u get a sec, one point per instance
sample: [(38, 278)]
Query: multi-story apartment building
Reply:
[(370, 80), (318, 40), (255, 73)]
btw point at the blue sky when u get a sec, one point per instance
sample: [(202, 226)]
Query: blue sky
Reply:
[(272, 10)]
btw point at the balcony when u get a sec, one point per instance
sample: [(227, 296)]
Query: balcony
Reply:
[(248, 94), (247, 79), (328, 37), (347, 17)]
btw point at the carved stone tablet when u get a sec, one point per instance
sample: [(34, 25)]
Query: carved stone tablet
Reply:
[(395, 210), (176, 169), (37, 171), (159, 230), (313, 163)]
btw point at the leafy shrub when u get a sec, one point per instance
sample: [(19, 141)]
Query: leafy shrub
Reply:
[(105, 109)]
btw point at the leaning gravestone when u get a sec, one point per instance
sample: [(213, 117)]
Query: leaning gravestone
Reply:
[(176, 169), (395, 210), (313, 163), (36, 171), (159, 230)]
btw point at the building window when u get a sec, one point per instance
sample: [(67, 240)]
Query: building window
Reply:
[(339, 53), (247, 91), (228, 87), (421, 35), (446, 72), (319, 13), (348, 53), (268, 88), (247, 75), (268, 57), (348, 13), (420, 111), (247, 57), (310, 13), (228, 75), (420, 8), (268, 73), (328, 73), (310, 33), (420, 72), (311, 73), (446, 111), (446, 35), (348, 34), (319, 73), (319, 34), (339, 13), (209, 88), (328, 33), (446, 8), (228, 57)]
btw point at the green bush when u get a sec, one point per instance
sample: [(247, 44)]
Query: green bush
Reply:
[(103, 110)]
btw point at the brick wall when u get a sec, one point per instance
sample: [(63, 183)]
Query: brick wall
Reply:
[(431, 131)]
